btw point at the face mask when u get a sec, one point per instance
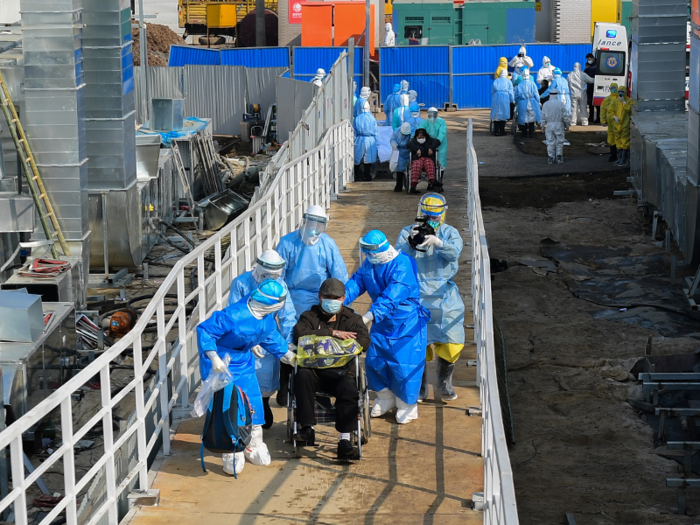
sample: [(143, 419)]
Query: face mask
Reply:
[(331, 306), (613, 90), (260, 310), (621, 94), (420, 141), (590, 61), (415, 114), (432, 118), (434, 224)]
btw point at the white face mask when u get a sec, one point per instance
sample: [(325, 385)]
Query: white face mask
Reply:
[(260, 310), (589, 61), (420, 141), (415, 114), (382, 257)]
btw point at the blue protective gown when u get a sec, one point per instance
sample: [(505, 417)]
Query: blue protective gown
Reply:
[(415, 123), (400, 115), (502, 96), (267, 369), (308, 266), (365, 138), (234, 331), (357, 107), (527, 92), (438, 130), (396, 355), (401, 142), (564, 92), (392, 102), (438, 292)]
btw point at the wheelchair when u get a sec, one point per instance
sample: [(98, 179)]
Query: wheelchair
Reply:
[(325, 412), (423, 177)]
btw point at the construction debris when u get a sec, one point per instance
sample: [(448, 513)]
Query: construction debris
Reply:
[(160, 38)]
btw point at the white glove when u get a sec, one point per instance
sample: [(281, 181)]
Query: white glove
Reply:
[(258, 351), (292, 347), (289, 358), (432, 240), (217, 365), (414, 229), (617, 120), (368, 317)]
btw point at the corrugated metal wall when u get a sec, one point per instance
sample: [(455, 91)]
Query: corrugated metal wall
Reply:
[(163, 82), (308, 59), (218, 93), (188, 55), (470, 71), (261, 86), (256, 57)]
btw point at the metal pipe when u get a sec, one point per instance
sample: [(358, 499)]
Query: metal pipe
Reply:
[(365, 78), (260, 38), (143, 53), (351, 76), (105, 239)]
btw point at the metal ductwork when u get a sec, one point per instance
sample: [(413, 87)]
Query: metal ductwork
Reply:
[(110, 121), (54, 112), (659, 30)]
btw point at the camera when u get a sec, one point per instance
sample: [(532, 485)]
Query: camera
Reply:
[(421, 232)]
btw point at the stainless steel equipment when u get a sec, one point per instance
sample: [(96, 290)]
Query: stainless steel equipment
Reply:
[(222, 208), (168, 114), (147, 155), (31, 371), (16, 213), (65, 288), (22, 318)]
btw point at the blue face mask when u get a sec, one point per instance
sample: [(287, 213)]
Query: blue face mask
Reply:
[(331, 306), (434, 224), (613, 90)]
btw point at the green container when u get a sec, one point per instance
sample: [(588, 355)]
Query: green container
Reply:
[(489, 22), (430, 23), (626, 14)]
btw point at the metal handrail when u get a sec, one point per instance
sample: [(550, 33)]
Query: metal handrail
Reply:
[(310, 179), (500, 506)]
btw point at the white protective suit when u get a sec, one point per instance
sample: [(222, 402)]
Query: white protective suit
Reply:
[(389, 36), (519, 62), (318, 79), (546, 72), (556, 121), (578, 80)]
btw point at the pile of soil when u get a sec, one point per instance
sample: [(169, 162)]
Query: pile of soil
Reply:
[(580, 144), (160, 38)]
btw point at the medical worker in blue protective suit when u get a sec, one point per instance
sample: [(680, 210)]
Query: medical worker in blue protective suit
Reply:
[(402, 112), (360, 103), (312, 257), (502, 96), (399, 142), (235, 332), (267, 368), (365, 143), (437, 129), (392, 102), (396, 355), (562, 87), (527, 97), (437, 259), (414, 119)]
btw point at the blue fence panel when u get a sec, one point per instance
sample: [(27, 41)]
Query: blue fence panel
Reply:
[(426, 68), (473, 67), (256, 57), (308, 59), (193, 56)]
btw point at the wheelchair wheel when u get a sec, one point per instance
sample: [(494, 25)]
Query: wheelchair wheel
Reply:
[(407, 177), (291, 423), (365, 408)]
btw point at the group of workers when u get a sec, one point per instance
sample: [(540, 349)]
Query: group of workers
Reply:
[(303, 288), (556, 104)]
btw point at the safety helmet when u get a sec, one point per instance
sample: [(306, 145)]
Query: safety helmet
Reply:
[(557, 72), (271, 260), (374, 242), (433, 207), (397, 89), (365, 92), (269, 293), (405, 128)]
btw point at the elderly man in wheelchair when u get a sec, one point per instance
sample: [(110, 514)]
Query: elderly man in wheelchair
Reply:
[(330, 338)]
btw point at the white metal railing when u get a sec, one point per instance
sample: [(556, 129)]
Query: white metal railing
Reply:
[(310, 179), (499, 490)]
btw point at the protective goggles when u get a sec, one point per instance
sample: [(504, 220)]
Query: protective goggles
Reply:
[(271, 266), (374, 248)]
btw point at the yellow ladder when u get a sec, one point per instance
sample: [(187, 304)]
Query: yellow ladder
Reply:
[(31, 172)]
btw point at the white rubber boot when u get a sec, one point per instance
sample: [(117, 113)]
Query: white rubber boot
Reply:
[(233, 463), (257, 452), (385, 401), (405, 413)]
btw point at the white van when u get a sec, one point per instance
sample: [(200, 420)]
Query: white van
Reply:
[(610, 48)]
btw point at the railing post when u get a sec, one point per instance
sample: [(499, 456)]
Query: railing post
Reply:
[(108, 445), (163, 374), (182, 336), (69, 458), (17, 461), (141, 442)]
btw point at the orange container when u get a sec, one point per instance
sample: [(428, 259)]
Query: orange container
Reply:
[(349, 22), (317, 24)]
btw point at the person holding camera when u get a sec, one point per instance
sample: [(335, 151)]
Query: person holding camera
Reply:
[(436, 247)]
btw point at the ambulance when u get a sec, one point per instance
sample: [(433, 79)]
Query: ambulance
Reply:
[(610, 48)]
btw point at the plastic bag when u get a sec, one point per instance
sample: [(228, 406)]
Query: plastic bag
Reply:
[(214, 383), (393, 160), (326, 352)]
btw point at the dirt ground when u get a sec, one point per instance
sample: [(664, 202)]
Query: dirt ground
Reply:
[(580, 447)]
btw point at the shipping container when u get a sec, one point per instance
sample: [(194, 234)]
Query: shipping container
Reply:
[(607, 11)]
